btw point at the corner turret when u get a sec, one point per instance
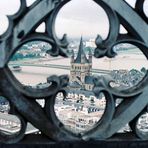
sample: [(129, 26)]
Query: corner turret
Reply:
[(90, 56), (72, 56)]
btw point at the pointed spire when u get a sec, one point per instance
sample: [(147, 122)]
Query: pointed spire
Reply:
[(72, 53), (81, 44), (81, 57), (90, 56)]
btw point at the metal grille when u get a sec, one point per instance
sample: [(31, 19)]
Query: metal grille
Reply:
[(22, 99)]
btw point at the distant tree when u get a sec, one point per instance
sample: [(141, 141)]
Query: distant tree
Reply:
[(87, 49), (143, 69)]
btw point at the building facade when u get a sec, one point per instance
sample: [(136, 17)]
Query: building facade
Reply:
[(81, 70)]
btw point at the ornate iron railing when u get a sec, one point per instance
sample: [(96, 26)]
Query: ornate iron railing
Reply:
[(22, 99)]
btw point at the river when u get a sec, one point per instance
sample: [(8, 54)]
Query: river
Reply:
[(31, 75)]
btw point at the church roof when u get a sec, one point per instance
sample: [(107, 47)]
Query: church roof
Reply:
[(83, 92), (75, 84), (81, 57), (89, 80)]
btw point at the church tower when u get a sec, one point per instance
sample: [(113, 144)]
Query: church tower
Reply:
[(80, 66)]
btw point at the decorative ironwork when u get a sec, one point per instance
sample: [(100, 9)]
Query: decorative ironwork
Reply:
[(22, 99)]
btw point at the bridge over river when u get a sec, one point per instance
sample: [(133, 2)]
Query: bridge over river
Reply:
[(95, 71)]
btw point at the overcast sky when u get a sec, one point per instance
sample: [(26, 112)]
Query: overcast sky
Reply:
[(74, 18)]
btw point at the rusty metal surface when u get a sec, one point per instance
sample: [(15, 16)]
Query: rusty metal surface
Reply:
[(21, 29)]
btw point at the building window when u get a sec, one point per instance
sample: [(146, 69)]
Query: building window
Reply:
[(89, 87)]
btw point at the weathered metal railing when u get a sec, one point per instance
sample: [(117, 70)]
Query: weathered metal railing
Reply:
[(22, 99)]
